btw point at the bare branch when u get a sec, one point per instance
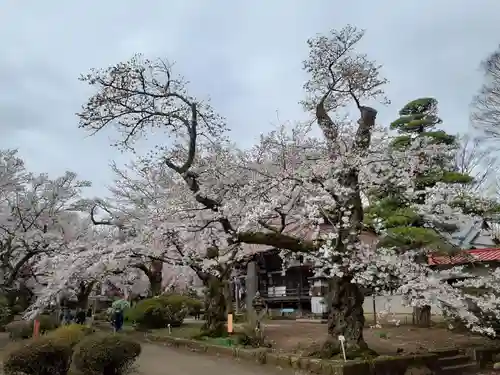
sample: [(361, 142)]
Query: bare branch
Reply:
[(486, 104), (477, 159), (140, 96)]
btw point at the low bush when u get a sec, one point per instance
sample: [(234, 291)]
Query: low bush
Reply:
[(195, 306), (17, 309), (109, 354), (19, 329), (23, 329), (248, 336), (47, 323), (71, 334), (128, 316), (161, 311), (41, 356)]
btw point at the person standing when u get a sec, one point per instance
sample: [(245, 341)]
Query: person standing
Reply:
[(80, 317), (118, 320), (67, 317)]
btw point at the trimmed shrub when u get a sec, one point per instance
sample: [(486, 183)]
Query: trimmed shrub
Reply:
[(161, 311), (128, 316), (41, 356), (71, 334), (47, 323), (17, 309), (249, 337), (195, 306), (19, 329), (109, 354), (23, 329)]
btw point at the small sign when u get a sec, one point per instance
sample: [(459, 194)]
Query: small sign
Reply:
[(229, 323), (342, 340), (36, 328)]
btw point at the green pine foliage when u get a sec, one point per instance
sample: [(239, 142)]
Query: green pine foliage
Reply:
[(405, 227)]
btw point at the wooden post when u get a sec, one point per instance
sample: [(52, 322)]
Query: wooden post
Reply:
[(230, 323), (36, 328)]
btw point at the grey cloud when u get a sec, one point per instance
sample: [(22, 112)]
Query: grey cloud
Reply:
[(245, 55)]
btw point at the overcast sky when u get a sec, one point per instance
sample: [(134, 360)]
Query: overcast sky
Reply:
[(245, 54)]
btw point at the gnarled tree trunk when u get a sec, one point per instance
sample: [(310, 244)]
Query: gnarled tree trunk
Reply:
[(83, 294), (154, 274), (346, 318), (422, 316), (156, 278), (215, 307)]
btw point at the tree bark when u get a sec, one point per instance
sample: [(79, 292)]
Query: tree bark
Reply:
[(215, 307), (156, 278), (422, 316), (346, 318), (84, 291)]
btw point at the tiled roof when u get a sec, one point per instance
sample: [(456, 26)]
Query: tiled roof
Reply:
[(467, 256)]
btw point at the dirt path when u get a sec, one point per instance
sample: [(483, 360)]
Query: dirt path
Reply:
[(160, 360)]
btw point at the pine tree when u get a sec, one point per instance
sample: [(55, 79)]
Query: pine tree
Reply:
[(405, 227)]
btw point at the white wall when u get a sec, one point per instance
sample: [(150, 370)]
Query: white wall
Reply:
[(395, 303)]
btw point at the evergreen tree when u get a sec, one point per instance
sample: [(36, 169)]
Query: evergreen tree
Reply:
[(405, 227)]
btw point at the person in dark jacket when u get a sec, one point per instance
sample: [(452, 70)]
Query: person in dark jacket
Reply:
[(80, 317), (118, 320), (67, 317)]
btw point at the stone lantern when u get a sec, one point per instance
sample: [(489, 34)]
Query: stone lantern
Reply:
[(259, 306)]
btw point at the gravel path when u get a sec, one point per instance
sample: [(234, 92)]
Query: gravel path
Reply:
[(161, 360)]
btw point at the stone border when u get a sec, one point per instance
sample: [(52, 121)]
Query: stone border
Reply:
[(483, 355), (377, 366)]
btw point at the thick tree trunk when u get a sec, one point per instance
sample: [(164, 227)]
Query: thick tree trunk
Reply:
[(84, 291), (154, 287), (422, 316), (346, 318), (215, 308), (156, 278)]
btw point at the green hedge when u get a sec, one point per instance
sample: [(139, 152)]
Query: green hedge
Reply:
[(105, 354), (23, 329), (19, 329), (70, 334), (41, 356), (72, 346), (195, 306), (159, 312)]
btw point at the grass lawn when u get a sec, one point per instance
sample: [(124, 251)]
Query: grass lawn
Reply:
[(185, 331), (193, 330)]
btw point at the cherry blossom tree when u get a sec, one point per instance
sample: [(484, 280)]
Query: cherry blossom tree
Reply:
[(37, 216), (97, 255), (224, 200), (175, 233)]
